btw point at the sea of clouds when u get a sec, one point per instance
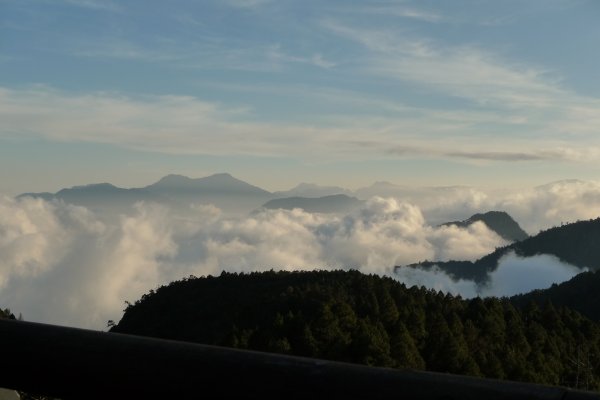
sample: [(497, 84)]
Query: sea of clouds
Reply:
[(63, 264)]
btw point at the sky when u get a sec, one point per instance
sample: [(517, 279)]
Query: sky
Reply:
[(470, 92)]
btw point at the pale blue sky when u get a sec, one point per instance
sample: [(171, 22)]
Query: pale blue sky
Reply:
[(471, 92)]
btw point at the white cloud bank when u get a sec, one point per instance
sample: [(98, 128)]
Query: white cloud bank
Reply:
[(63, 264)]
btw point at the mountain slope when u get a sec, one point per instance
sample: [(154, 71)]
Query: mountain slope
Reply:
[(498, 221), (575, 244), (581, 293), (102, 197), (213, 185), (222, 190), (352, 317), (328, 204)]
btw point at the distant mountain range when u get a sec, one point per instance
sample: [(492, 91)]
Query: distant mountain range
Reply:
[(100, 197), (235, 196), (225, 191), (498, 221), (575, 244), (217, 184)]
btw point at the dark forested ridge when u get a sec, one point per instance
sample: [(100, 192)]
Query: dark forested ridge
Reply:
[(576, 244), (498, 221), (349, 316), (580, 293), (6, 314)]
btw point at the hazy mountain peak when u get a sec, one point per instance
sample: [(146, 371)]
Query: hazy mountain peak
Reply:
[(383, 184), (311, 190), (498, 221), (92, 187), (221, 175), (212, 185), (176, 180), (173, 177), (172, 180)]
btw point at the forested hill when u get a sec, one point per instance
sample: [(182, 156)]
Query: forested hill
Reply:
[(581, 293), (348, 316), (575, 243)]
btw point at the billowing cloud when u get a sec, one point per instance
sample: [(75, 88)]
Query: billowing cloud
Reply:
[(438, 204), (437, 280), (63, 264), (541, 207), (553, 204)]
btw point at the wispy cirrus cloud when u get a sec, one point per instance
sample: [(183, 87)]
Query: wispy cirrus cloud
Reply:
[(404, 11), (246, 3), (277, 55), (104, 5), (530, 96), (189, 125), (125, 50), (557, 153), (99, 5), (552, 154), (462, 71)]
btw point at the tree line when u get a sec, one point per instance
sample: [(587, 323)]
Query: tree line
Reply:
[(353, 317)]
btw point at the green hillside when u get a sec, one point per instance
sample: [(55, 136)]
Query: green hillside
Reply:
[(581, 293), (348, 316)]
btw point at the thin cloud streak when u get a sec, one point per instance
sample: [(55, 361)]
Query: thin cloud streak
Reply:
[(247, 3), (556, 154), (99, 5), (404, 12), (188, 125), (468, 72), (527, 93)]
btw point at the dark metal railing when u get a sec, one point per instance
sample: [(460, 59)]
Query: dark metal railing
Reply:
[(81, 364)]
